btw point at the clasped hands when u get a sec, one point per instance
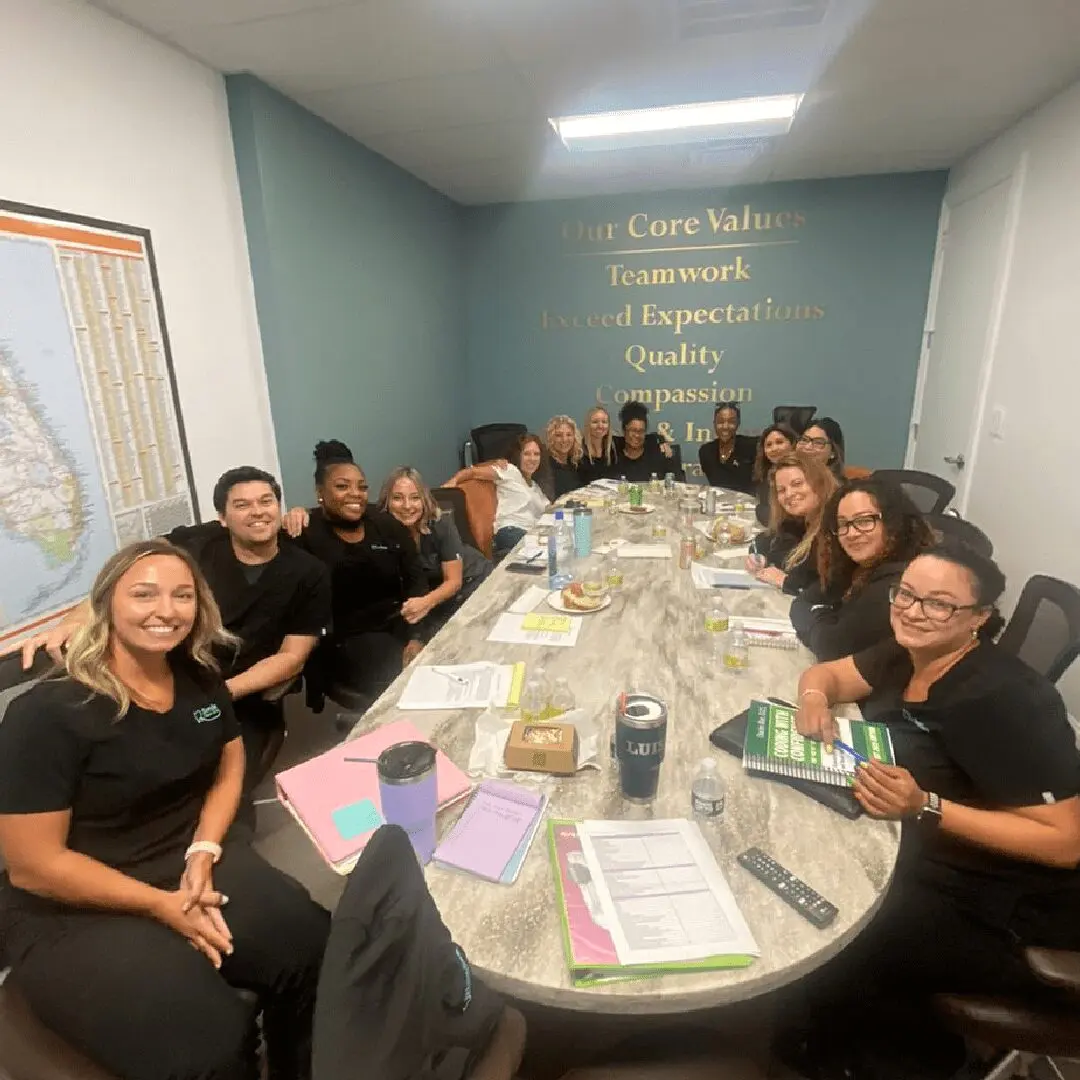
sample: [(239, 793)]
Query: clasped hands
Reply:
[(193, 910), (883, 791)]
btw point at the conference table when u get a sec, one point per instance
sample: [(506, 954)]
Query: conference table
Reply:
[(650, 639)]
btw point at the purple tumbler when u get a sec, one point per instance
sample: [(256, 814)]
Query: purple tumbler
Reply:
[(409, 792)]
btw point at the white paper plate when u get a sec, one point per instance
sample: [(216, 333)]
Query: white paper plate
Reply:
[(640, 511), (555, 600)]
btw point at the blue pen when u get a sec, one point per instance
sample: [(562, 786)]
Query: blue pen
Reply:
[(849, 750)]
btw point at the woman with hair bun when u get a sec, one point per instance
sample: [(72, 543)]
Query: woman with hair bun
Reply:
[(374, 569)]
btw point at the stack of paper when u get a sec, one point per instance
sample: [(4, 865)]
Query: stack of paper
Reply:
[(713, 577), (645, 551), (513, 629), (494, 833), (641, 898), (778, 633), (464, 686)]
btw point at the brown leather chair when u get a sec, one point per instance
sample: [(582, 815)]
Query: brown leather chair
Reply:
[(480, 505), (1027, 1031)]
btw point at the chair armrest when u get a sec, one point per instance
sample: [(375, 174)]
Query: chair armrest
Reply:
[(1056, 967)]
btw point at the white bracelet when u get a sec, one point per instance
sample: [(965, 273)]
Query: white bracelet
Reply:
[(814, 690), (204, 847)]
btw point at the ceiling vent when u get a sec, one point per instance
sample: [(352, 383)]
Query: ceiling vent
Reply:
[(712, 18)]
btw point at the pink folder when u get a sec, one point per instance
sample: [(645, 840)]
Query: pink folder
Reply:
[(315, 789)]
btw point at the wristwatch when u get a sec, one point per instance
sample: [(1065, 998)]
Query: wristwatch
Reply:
[(930, 814)]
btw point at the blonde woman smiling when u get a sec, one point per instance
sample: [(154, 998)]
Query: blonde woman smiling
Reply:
[(453, 569), (118, 783), (598, 457), (564, 447)]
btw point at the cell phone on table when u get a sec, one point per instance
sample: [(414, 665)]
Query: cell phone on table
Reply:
[(526, 568)]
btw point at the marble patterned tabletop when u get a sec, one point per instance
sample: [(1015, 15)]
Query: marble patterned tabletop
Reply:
[(652, 639)]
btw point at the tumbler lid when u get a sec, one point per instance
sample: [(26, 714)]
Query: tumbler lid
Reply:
[(406, 761)]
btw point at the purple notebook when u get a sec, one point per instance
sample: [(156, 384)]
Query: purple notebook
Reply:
[(493, 826)]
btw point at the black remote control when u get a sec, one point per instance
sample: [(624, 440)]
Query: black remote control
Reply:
[(811, 905)]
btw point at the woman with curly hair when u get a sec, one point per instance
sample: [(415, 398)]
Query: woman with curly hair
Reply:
[(870, 531), (564, 447)]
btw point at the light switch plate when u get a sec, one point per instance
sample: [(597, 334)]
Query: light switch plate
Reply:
[(997, 422)]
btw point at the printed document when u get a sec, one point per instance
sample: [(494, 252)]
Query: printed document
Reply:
[(662, 895)]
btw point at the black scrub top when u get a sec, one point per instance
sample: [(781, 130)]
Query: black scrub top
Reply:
[(590, 468), (831, 625), (737, 473), (262, 604), (565, 478), (369, 580), (653, 460), (443, 544), (135, 786), (992, 734)]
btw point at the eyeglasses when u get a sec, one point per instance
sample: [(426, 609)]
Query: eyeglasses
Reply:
[(939, 611), (818, 444), (864, 523)]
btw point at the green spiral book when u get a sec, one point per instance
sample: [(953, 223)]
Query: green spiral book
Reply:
[(773, 745)]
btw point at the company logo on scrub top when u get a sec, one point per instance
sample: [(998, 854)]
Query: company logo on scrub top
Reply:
[(206, 713)]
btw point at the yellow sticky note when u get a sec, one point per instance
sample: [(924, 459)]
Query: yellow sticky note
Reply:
[(555, 624)]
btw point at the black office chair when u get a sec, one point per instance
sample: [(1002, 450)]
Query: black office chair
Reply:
[(796, 417), (1044, 630), (951, 527), (495, 440), (453, 500), (1020, 1030), (930, 493)]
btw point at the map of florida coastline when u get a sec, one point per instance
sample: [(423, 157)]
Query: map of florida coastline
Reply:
[(40, 495)]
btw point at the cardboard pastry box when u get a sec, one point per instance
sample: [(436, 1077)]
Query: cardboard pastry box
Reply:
[(547, 746)]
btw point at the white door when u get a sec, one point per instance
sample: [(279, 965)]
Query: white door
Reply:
[(948, 409)]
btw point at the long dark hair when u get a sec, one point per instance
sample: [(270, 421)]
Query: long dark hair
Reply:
[(762, 465), (906, 535)]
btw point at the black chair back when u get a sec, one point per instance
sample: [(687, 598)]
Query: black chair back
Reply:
[(948, 526), (930, 493), (1044, 630), (495, 440), (453, 500), (796, 417)]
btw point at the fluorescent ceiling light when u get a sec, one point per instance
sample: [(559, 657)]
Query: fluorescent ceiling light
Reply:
[(756, 117)]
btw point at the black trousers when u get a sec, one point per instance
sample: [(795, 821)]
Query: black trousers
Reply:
[(367, 663), (136, 998), (260, 722)]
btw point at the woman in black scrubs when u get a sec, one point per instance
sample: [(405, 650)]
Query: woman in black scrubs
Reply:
[(775, 442), (128, 911), (728, 460), (824, 440), (869, 532), (564, 447), (374, 569), (987, 788), (453, 569)]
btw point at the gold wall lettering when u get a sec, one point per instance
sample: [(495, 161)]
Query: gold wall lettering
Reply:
[(659, 397), (621, 275), (638, 357)]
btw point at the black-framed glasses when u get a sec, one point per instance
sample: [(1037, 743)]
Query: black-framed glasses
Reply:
[(939, 611), (818, 444), (864, 523)]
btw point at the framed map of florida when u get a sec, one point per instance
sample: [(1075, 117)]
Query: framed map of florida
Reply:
[(92, 449)]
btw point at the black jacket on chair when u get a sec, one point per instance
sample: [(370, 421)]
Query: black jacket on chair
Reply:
[(397, 999)]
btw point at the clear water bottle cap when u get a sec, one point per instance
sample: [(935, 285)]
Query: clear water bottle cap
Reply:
[(558, 515)]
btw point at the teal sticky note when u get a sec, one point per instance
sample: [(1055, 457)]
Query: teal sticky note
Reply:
[(357, 818)]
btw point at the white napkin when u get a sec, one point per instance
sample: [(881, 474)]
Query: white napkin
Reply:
[(493, 729)]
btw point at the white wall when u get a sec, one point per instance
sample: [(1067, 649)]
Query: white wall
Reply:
[(98, 118), (1024, 489)]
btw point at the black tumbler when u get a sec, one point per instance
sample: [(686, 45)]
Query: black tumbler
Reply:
[(640, 733)]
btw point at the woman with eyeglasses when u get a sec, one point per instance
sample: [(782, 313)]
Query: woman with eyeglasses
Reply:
[(785, 555), (824, 440), (870, 531), (986, 788)]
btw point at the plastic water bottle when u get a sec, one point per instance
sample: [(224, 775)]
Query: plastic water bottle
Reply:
[(560, 552), (624, 487), (562, 698), (707, 792), (717, 624), (654, 484), (534, 701), (736, 651)]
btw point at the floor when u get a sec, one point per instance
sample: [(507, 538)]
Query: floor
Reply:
[(310, 734)]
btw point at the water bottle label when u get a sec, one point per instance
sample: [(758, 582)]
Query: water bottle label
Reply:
[(736, 663), (706, 807), (716, 625)]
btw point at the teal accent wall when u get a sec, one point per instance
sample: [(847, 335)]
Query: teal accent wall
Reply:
[(822, 302), (359, 295)]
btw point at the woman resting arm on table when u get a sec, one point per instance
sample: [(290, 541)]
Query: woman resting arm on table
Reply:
[(987, 790), (118, 784)]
